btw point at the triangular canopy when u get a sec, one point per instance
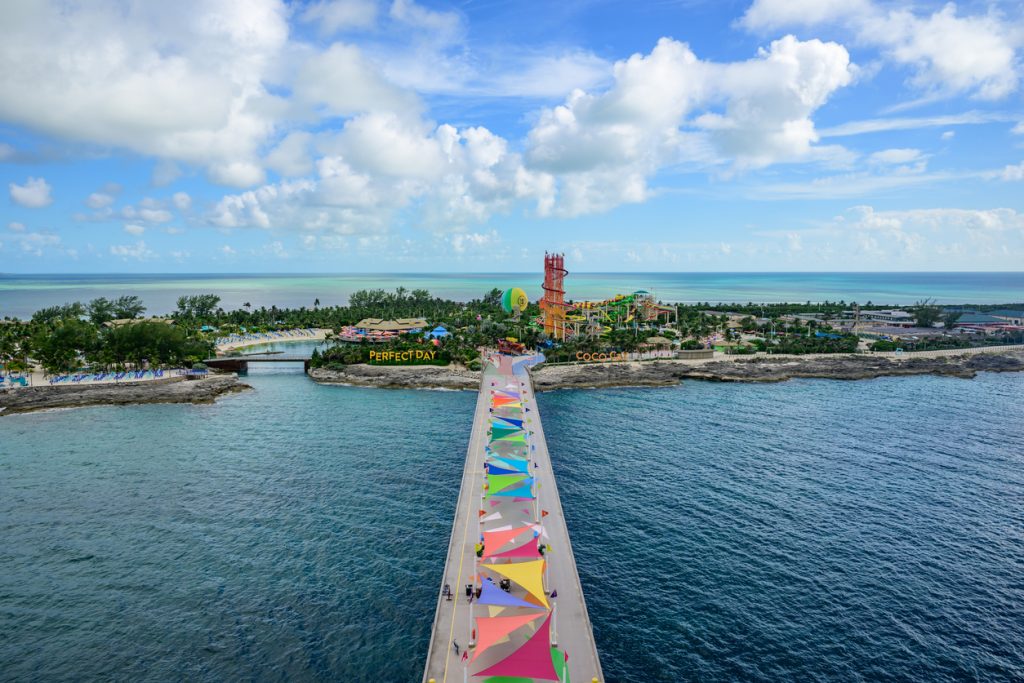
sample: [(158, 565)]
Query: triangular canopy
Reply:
[(507, 393), (498, 401), (516, 437), (516, 492), (500, 431), (497, 482), (490, 594), (513, 463), (494, 469), (513, 421), (493, 540), (527, 550), (492, 629), (531, 660), (529, 575)]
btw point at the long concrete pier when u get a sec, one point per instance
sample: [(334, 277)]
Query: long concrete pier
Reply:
[(457, 619)]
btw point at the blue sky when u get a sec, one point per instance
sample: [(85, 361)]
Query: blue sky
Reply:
[(391, 136)]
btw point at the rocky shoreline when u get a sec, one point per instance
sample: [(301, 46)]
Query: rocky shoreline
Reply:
[(454, 377), (173, 390), (671, 372), (766, 369)]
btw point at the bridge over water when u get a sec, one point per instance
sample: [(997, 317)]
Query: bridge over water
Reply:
[(241, 363), (510, 605)]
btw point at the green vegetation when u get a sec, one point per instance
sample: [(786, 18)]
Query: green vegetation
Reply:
[(926, 313), (64, 338), (76, 335)]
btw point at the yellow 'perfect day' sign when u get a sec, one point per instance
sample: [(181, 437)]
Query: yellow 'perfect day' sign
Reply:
[(401, 356)]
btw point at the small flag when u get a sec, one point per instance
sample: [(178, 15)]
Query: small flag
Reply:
[(481, 513), (554, 593), (543, 513), (465, 656)]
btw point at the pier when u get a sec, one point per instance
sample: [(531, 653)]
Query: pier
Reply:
[(510, 604)]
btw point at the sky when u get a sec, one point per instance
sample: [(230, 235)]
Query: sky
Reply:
[(428, 136)]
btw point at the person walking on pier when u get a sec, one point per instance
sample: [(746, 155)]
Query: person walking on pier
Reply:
[(455, 644)]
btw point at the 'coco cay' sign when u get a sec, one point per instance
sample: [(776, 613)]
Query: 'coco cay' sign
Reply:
[(401, 356), (590, 357)]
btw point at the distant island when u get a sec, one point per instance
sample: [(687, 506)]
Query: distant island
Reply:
[(108, 351)]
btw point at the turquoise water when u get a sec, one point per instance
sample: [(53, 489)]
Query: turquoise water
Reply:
[(21, 295), (810, 530)]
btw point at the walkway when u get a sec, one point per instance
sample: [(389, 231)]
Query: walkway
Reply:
[(510, 628)]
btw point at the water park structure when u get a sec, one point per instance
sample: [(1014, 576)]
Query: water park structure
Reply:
[(594, 319)]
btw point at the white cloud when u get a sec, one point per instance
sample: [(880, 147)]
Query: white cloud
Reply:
[(227, 250), (237, 173), (291, 157), (181, 200), (770, 100), (341, 82), (461, 242), (134, 229), (34, 194), (949, 54), (910, 123), (542, 75), (1018, 129), (765, 15), (988, 220), (948, 135), (1013, 172), (275, 249), (171, 230), (165, 172), (334, 16), (895, 156), (182, 82), (35, 243), (16, 227), (149, 210), (99, 200), (602, 148), (443, 25), (138, 251), (6, 151)]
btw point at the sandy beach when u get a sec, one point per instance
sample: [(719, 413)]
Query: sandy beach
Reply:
[(236, 342)]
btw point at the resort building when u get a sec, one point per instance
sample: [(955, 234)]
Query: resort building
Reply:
[(379, 330), (984, 322), (890, 317), (1011, 316)]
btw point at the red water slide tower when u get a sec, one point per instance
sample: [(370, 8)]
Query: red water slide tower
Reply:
[(552, 305)]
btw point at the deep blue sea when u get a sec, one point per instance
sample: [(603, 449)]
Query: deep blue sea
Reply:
[(812, 530), (22, 295)]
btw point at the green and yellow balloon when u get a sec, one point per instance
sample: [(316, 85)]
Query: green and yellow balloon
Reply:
[(514, 301)]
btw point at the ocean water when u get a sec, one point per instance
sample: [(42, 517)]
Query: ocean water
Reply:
[(21, 295), (810, 530)]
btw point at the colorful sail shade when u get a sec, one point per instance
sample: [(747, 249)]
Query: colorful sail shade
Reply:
[(490, 630), (529, 575), (531, 660), (490, 594)]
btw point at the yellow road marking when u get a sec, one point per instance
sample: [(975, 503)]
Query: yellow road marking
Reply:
[(465, 533)]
